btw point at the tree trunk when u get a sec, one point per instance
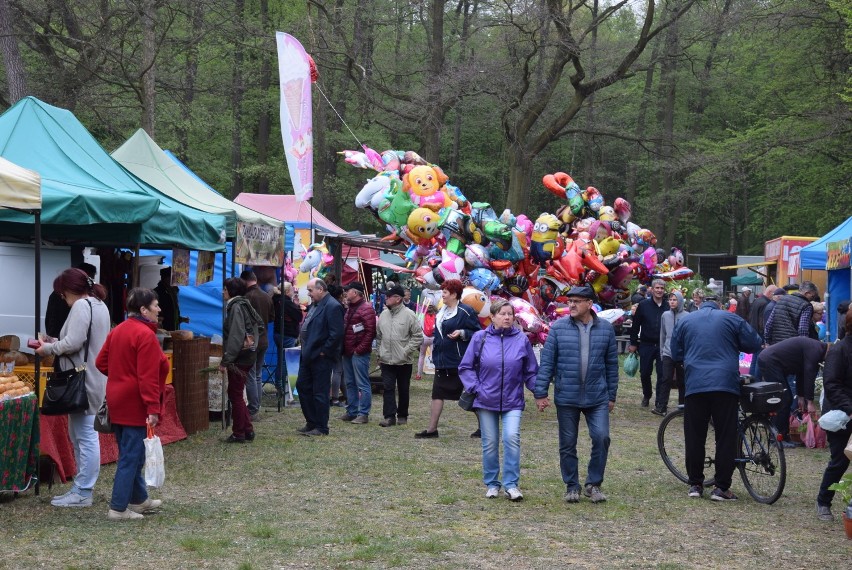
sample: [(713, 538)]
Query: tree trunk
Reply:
[(630, 184), (149, 50), (433, 117), (237, 91), (190, 73), (589, 150), (665, 146), (263, 124), (520, 177), (16, 77)]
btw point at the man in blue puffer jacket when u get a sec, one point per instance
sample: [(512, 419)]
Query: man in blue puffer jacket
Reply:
[(709, 342), (581, 359)]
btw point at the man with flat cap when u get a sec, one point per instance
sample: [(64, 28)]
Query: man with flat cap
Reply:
[(359, 330), (581, 359)]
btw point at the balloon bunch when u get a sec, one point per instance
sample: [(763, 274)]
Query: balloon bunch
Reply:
[(531, 263)]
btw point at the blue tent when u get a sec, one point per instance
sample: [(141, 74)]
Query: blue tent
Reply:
[(814, 256)]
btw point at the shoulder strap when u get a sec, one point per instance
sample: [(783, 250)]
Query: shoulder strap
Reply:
[(478, 354), (88, 334)]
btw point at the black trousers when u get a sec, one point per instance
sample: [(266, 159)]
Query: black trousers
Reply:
[(396, 377), (313, 384), (837, 464), (722, 408), (672, 376), (649, 356), (782, 416)]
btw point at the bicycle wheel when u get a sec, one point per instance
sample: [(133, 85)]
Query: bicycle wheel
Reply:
[(672, 445), (761, 461)]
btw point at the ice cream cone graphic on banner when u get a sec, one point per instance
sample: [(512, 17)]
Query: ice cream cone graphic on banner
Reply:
[(296, 118)]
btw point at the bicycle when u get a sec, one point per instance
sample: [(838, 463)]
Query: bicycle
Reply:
[(760, 456)]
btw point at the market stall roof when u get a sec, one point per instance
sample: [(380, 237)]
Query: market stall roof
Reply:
[(19, 188), (83, 186), (743, 280), (814, 255), (289, 209), (145, 159)]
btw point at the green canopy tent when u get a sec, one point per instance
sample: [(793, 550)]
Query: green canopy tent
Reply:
[(88, 197), (746, 280), (147, 161)]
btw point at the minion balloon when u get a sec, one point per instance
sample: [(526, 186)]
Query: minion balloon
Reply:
[(546, 244)]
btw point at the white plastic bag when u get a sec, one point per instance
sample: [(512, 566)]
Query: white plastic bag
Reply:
[(155, 466), (835, 420)]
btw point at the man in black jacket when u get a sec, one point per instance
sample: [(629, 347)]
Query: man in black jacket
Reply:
[(798, 357), (262, 303), (645, 337), (285, 329), (756, 319)]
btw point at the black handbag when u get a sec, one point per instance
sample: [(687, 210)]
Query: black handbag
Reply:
[(65, 392), (102, 423), (466, 401)]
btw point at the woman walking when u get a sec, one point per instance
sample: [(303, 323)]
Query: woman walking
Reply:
[(87, 323), (498, 364), (136, 369), (241, 331), (454, 327)]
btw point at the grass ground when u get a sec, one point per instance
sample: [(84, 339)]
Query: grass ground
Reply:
[(372, 497)]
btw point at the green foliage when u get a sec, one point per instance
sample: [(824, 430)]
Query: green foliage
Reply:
[(760, 116)]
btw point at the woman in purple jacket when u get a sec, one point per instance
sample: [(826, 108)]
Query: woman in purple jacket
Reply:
[(499, 362)]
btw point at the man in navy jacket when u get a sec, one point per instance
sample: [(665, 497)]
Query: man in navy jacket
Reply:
[(581, 359), (321, 339), (709, 342)]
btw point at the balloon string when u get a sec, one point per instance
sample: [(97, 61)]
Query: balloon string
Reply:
[(338, 114)]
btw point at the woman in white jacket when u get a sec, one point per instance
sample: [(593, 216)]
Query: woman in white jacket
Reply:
[(85, 297), (672, 372)]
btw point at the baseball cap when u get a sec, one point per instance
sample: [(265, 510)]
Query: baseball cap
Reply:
[(357, 286), (396, 290)]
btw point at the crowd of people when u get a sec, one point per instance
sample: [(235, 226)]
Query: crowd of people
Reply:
[(693, 346)]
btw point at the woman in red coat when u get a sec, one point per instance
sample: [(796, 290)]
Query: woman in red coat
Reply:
[(136, 371)]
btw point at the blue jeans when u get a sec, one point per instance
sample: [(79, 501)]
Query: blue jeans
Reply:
[(489, 423), (129, 485), (87, 452), (597, 419), (356, 374)]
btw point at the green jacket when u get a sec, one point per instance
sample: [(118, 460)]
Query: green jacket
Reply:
[(241, 319), (398, 336)]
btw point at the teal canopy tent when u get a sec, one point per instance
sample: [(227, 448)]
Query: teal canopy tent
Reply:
[(88, 197)]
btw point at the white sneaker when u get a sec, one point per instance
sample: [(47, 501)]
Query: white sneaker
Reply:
[(492, 492), (71, 499), (126, 514), (514, 494), (148, 506)]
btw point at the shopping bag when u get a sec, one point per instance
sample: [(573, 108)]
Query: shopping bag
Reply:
[(631, 364), (155, 467)]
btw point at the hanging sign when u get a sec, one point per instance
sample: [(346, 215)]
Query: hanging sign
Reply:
[(838, 253), (259, 244), (180, 267), (204, 267)]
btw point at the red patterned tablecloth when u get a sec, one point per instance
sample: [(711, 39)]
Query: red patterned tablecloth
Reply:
[(56, 444), (19, 433)]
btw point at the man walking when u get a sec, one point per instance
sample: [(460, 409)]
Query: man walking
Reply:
[(580, 358), (398, 340), (645, 337), (359, 330), (262, 303), (744, 303), (709, 342), (321, 338)]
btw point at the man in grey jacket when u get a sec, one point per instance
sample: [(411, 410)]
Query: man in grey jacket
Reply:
[(581, 359), (672, 371), (398, 339)]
